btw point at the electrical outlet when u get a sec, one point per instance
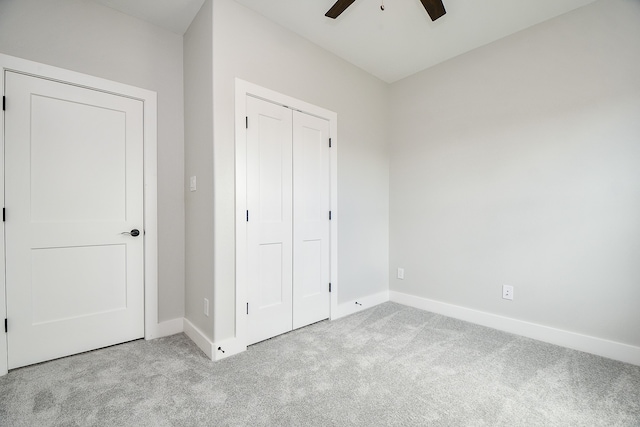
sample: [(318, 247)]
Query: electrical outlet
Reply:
[(193, 186), (507, 292), (401, 273), (206, 307)]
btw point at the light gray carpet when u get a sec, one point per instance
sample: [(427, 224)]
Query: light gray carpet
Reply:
[(389, 365)]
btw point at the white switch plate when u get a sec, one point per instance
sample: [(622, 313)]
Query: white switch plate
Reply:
[(507, 292), (192, 183), (401, 273)]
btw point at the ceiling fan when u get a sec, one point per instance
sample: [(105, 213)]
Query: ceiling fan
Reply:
[(434, 8)]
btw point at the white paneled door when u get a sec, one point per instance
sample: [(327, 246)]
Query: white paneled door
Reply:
[(74, 219), (288, 224), (269, 219), (311, 226)]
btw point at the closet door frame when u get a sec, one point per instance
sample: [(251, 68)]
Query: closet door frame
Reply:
[(244, 89)]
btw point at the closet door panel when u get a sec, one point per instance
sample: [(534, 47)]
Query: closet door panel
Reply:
[(269, 219), (311, 224)]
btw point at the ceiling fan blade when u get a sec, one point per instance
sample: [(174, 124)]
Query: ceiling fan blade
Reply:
[(435, 8), (338, 8)]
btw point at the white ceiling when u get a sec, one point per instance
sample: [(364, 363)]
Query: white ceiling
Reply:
[(392, 44)]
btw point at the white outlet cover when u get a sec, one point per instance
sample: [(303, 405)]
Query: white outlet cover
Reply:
[(401, 273), (192, 183), (507, 292)]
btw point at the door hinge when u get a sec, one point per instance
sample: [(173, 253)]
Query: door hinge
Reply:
[(247, 308), (329, 142), (4, 102), (329, 215), (247, 215), (6, 326), (246, 122), (329, 287), (4, 215)]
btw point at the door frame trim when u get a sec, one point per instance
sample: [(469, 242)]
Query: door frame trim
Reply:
[(242, 90), (149, 99)]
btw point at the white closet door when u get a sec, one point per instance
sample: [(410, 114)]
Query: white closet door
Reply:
[(269, 225), (311, 225), (74, 183)]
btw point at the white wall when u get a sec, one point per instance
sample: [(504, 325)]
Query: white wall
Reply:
[(92, 39), (518, 163), (198, 91), (248, 46)]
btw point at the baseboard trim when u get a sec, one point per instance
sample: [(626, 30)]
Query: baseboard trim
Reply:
[(214, 350), (166, 328), (360, 304), (227, 348), (199, 338), (589, 344)]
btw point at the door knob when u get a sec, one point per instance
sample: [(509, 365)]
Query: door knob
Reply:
[(135, 232)]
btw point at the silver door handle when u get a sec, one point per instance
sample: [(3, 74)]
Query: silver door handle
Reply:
[(135, 232)]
